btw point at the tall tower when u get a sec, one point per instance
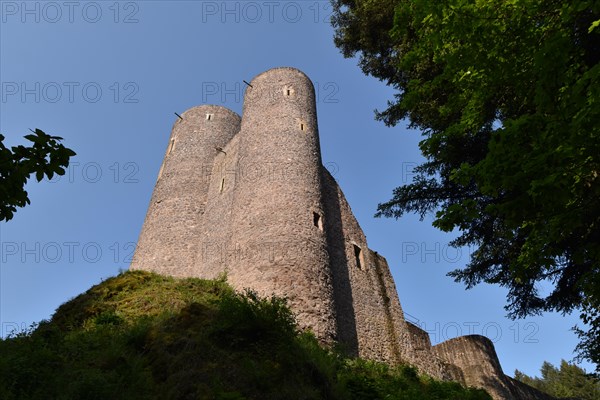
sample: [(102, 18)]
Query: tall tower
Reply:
[(277, 222), (169, 238), (251, 198)]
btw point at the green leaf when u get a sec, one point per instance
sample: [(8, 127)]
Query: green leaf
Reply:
[(518, 135)]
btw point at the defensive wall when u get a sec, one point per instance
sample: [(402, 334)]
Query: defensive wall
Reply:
[(249, 197)]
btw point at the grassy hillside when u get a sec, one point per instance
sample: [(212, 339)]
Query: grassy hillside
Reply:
[(145, 336)]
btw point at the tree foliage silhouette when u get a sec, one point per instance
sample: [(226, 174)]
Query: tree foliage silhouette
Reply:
[(567, 381), (507, 97), (45, 157)]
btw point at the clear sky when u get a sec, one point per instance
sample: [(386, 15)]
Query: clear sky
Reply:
[(108, 77)]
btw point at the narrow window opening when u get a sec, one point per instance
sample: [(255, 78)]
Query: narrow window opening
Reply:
[(358, 256), (301, 127), (209, 117), (172, 146), (317, 220), (288, 91), (222, 185)]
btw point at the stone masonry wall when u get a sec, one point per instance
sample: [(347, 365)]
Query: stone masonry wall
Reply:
[(249, 197), (364, 326), (522, 391), (169, 238), (278, 201), (476, 357), (422, 356), (369, 315), (215, 250)]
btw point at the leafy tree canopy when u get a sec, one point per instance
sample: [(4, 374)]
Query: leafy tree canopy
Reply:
[(507, 96), (568, 381), (46, 156)]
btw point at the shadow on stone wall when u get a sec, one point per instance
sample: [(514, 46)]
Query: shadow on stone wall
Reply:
[(342, 291), (381, 269)]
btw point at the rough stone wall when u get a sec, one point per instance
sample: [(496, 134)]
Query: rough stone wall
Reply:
[(413, 346), (278, 200), (476, 357), (215, 250), (251, 198), (365, 321), (420, 339), (423, 357), (522, 391), (369, 315), (169, 238)]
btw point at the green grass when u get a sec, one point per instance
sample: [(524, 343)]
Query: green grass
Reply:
[(145, 336)]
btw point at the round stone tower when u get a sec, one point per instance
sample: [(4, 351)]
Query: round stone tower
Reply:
[(277, 223), (476, 357), (169, 238)]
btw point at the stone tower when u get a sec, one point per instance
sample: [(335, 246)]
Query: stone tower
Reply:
[(168, 243), (250, 197), (278, 198)]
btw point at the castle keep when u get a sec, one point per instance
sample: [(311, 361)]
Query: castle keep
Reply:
[(250, 197)]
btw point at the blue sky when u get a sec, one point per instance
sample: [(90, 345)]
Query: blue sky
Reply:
[(108, 77)]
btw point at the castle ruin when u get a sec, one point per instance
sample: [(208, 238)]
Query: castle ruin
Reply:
[(250, 197)]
